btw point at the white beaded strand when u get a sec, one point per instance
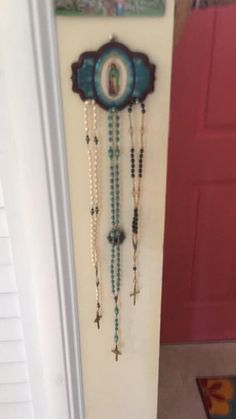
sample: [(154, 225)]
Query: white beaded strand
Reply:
[(86, 124), (90, 124), (96, 199)]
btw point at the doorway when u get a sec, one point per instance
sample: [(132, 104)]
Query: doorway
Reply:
[(199, 287)]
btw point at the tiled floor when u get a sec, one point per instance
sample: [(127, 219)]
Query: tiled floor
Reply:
[(179, 367)]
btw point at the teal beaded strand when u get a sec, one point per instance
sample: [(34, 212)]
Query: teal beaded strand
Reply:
[(112, 196), (116, 236), (117, 186)]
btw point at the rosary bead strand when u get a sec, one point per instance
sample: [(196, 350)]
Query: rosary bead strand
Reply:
[(90, 122), (136, 189), (116, 235), (96, 214)]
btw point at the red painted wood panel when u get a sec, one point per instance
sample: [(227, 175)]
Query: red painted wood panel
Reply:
[(199, 273)]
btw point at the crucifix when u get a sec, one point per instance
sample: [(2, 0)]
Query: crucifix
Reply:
[(134, 294), (97, 320), (116, 352)]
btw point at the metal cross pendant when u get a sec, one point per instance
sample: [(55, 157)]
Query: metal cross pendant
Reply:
[(97, 320), (116, 352), (134, 294)]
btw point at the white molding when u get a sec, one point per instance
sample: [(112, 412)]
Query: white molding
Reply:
[(30, 62), (47, 63)]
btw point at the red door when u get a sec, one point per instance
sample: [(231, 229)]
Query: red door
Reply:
[(199, 286)]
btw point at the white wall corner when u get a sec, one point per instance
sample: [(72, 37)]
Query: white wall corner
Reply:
[(30, 70)]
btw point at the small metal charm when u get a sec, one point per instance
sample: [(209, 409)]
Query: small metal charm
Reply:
[(116, 236)]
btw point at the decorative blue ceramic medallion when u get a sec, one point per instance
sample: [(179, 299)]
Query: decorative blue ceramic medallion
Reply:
[(113, 76)]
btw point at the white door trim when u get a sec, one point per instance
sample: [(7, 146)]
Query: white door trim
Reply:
[(45, 128), (47, 63)]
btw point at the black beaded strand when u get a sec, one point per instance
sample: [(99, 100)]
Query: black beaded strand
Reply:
[(136, 192)]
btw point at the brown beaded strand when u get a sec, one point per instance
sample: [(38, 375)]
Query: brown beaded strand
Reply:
[(136, 191)]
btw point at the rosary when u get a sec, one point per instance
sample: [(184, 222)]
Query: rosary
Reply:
[(116, 235), (114, 78), (90, 123), (136, 189)]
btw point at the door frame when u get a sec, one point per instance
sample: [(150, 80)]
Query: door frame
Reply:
[(36, 120)]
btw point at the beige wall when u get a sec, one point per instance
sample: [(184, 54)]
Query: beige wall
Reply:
[(127, 389)]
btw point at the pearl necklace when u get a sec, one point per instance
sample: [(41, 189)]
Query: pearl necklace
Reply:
[(90, 123), (136, 153)]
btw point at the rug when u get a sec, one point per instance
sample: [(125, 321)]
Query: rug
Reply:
[(219, 396)]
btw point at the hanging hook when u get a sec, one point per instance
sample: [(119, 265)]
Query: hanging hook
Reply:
[(112, 37)]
